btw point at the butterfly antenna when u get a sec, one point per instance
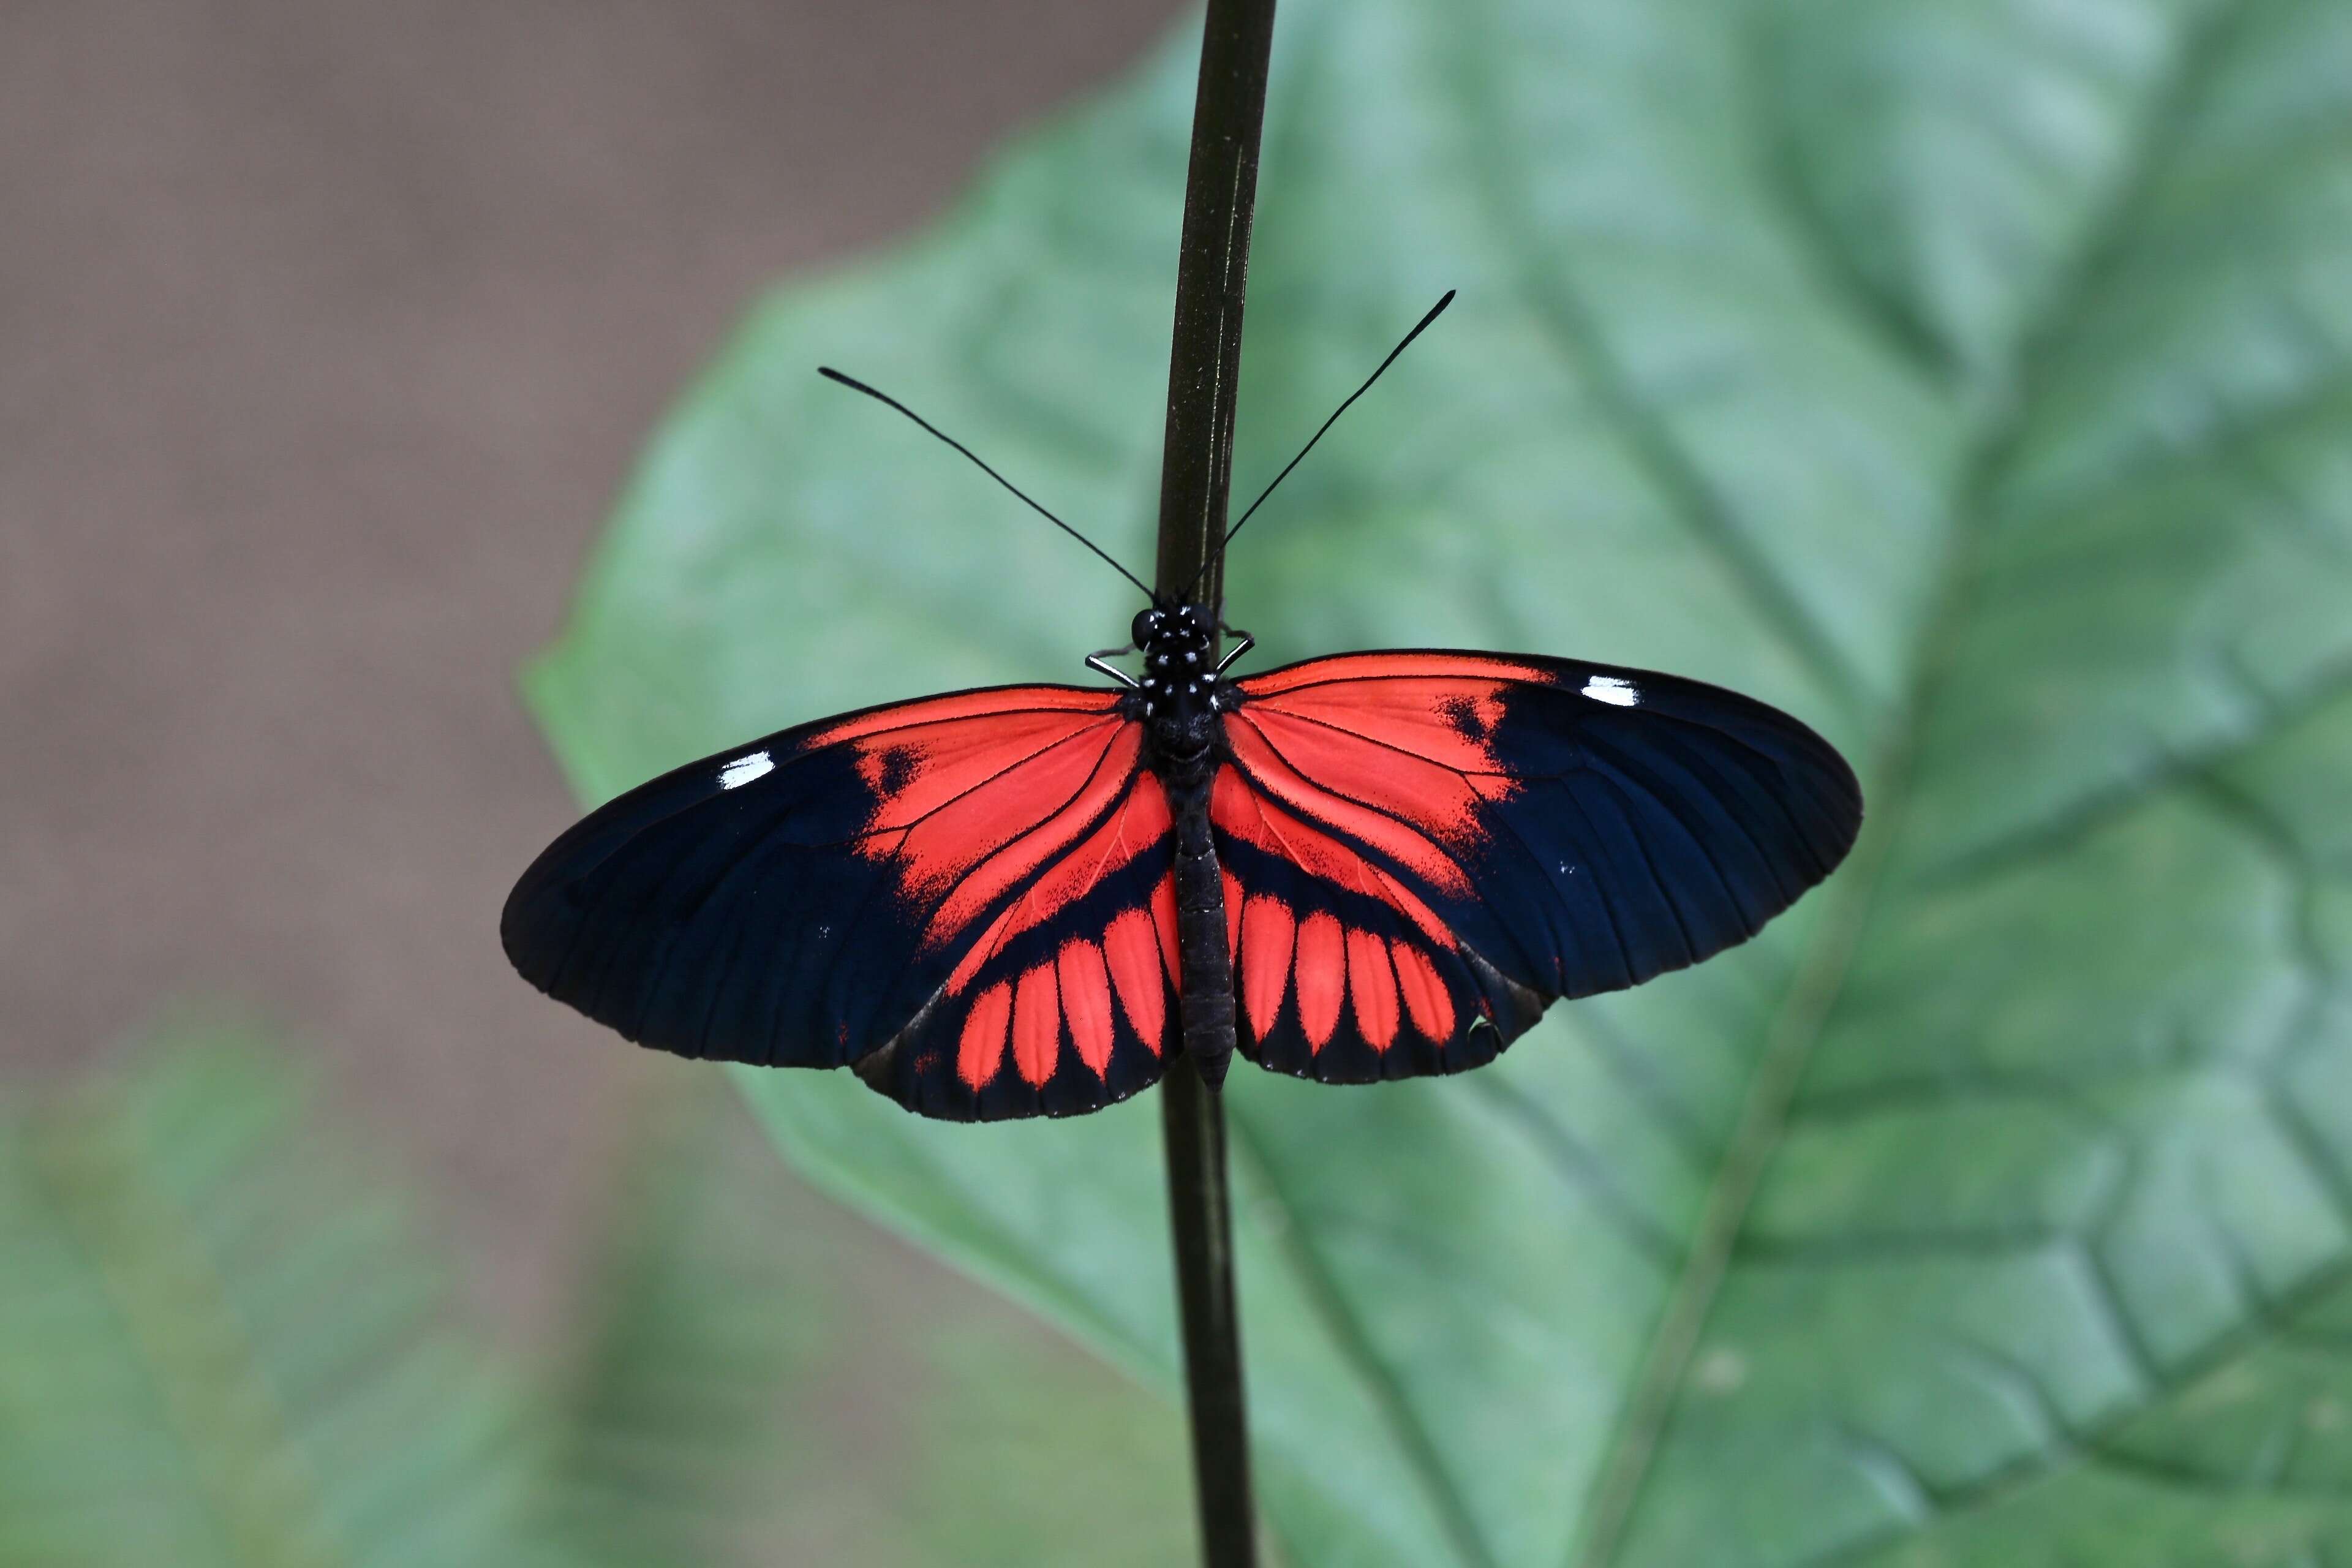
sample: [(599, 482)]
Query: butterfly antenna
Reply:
[(1406, 342), (883, 397)]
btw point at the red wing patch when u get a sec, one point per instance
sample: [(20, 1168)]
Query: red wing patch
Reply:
[(1064, 999), (1085, 1003), (967, 804), (1399, 749), (980, 1050), (1372, 989), (1320, 976), (1426, 1001), (1133, 953), (1269, 933)]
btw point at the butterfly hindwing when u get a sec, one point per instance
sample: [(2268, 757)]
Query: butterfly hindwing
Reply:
[(1481, 834), (840, 891), (1342, 969), (1065, 999)]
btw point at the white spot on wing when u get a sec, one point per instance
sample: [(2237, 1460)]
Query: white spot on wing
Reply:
[(1609, 688), (743, 770)]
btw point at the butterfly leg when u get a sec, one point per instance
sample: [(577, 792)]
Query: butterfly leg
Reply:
[(1239, 648), (1100, 660)]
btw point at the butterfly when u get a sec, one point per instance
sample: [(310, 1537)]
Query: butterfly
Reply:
[(1027, 901)]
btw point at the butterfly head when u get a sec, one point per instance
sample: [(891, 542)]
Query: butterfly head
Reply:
[(1159, 623)]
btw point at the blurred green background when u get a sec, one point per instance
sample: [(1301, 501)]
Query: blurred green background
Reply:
[(1968, 378)]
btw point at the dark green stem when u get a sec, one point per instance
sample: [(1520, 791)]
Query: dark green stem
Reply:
[(1212, 269), (1204, 371), (1201, 1222)]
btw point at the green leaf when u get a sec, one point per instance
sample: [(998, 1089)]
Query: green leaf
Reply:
[(1968, 376), (220, 1346)]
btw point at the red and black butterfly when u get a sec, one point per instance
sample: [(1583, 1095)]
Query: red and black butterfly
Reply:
[(1002, 902)]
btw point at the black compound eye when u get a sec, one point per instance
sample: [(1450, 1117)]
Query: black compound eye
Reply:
[(1146, 627)]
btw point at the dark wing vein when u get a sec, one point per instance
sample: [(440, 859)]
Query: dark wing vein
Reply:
[(1021, 762), (1029, 887)]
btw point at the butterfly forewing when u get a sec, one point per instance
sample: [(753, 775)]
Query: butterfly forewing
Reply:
[(1427, 849), (893, 889)]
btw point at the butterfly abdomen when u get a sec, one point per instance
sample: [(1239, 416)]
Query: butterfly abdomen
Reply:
[(1205, 961)]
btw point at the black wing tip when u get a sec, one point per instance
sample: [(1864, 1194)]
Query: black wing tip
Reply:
[(523, 937)]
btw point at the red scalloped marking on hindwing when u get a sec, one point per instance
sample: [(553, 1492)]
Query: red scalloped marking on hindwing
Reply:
[(1372, 988), (1036, 1024), (1268, 931), (1085, 1003), (980, 1052), (1131, 953), (1237, 808), (1426, 1000), (1320, 976)]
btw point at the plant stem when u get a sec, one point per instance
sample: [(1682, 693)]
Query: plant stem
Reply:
[(1201, 1224), (1203, 371), (1213, 268)]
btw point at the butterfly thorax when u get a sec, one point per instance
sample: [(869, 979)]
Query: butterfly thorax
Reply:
[(1182, 700)]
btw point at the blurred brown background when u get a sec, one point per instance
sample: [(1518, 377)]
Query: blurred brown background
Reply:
[(327, 331)]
